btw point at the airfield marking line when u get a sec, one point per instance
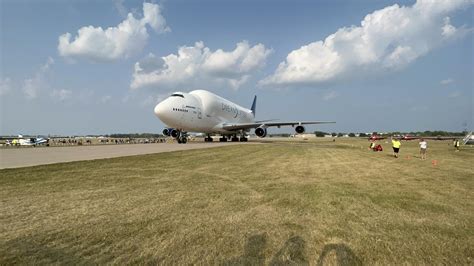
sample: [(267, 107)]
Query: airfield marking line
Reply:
[(23, 157)]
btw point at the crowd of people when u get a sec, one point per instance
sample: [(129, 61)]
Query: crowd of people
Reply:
[(73, 141), (396, 145), (89, 141)]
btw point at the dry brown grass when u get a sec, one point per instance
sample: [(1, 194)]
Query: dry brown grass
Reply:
[(313, 202)]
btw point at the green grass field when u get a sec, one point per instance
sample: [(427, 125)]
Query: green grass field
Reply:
[(313, 202)]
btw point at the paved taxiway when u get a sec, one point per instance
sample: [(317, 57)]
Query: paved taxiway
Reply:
[(21, 157)]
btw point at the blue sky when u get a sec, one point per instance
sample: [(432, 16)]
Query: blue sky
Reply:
[(369, 65)]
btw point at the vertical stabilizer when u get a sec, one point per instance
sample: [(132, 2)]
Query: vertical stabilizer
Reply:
[(254, 105)]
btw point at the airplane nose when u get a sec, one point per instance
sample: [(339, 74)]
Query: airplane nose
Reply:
[(159, 110)]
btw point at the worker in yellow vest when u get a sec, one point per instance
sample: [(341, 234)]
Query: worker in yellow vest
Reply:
[(396, 146), (372, 145), (456, 144)]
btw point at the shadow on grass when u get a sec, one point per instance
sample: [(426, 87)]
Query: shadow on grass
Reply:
[(292, 253), (30, 250), (253, 252), (344, 255)]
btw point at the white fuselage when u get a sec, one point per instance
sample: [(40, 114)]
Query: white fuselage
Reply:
[(201, 111)]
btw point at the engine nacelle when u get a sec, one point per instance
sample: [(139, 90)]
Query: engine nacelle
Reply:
[(261, 132), (174, 133), (299, 129), (166, 131)]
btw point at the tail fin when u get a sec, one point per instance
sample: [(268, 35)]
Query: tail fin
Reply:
[(254, 105)]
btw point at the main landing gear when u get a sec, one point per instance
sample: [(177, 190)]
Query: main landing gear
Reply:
[(182, 138), (226, 138), (233, 139), (208, 138)]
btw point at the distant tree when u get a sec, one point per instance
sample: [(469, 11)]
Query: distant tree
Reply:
[(352, 135), (362, 135), (320, 133), (340, 134), (333, 134)]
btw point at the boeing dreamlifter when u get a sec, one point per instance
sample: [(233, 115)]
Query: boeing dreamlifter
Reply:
[(204, 112)]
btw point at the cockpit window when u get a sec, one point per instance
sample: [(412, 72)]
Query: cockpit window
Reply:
[(177, 95)]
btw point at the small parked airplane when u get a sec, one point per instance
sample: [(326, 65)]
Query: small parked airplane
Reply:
[(21, 141), (374, 137), (204, 112)]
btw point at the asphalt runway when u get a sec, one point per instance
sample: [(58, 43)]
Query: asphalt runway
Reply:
[(29, 156)]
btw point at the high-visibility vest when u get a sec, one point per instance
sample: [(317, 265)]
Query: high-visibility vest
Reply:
[(396, 143)]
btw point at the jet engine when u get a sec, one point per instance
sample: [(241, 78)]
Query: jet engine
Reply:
[(261, 132), (299, 129), (174, 133), (166, 131)]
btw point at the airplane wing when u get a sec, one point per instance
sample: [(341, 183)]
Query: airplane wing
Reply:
[(239, 126)]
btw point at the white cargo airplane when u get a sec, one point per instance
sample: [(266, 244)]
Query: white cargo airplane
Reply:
[(204, 112)]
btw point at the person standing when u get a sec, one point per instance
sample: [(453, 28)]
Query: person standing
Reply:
[(423, 147), (456, 144), (396, 147), (372, 145)]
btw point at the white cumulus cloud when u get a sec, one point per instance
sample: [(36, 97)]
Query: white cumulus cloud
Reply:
[(32, 86), (121, 9), (454, 94), (105, 99), (122, 41), (61, 94), (198, 66), (387, 39), (5, 86), (446, 81), (330, 95)]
